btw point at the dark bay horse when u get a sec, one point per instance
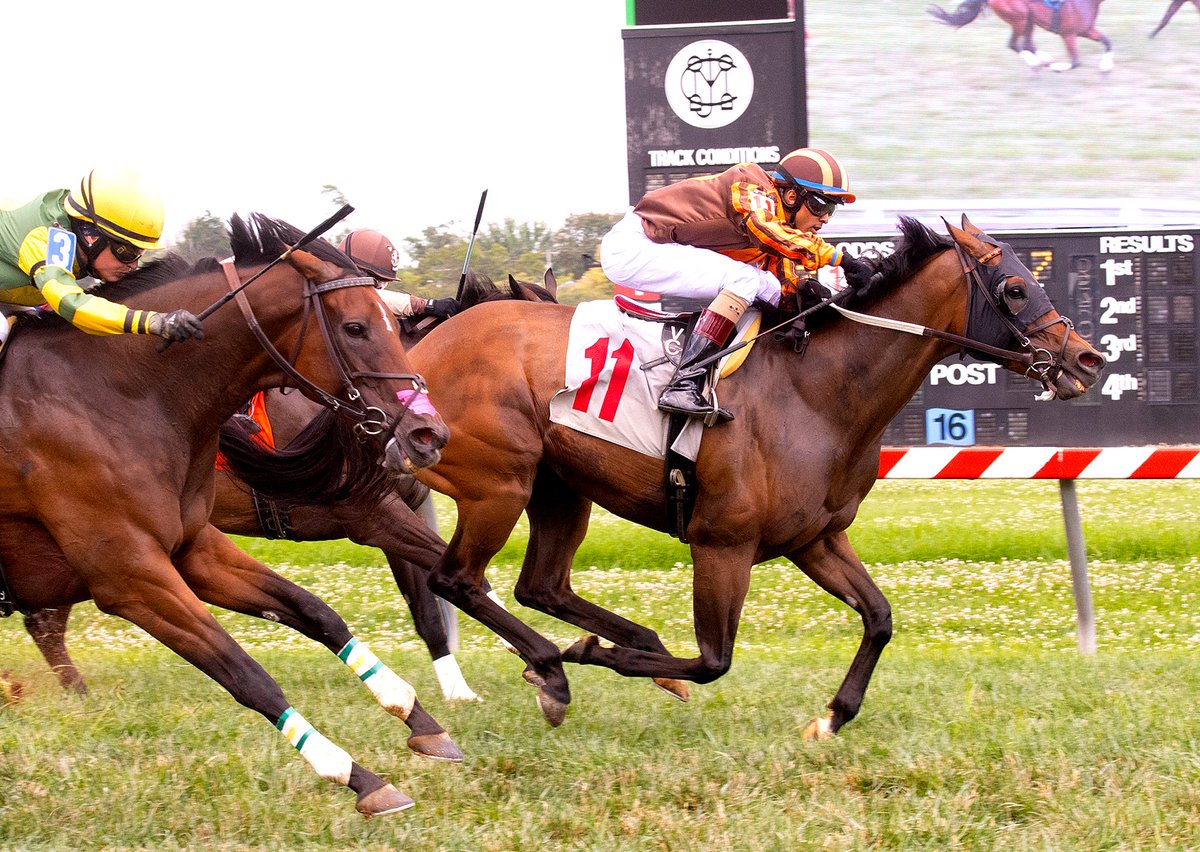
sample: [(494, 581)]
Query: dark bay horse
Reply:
[(1070, 19), (387, 521), (784, 479), (107, 464), (1175, 6)]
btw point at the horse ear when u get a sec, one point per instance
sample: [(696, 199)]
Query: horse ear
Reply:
[(972, 245), (966, 223), (551, 283), (313, 268)]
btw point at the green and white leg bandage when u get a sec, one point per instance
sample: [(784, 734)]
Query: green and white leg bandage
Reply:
[(392, 692), (329, 761)]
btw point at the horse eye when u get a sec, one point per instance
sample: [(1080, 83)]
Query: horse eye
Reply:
[(355, 329)]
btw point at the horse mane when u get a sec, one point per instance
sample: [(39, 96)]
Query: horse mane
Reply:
[(915, 246), (254, 241), (479, 288), (324, 463)]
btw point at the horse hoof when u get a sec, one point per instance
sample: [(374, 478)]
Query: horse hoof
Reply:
[(818, 729), (578, 650), (675, 688), (553, 709), (386, 800), (437, 746), (533, 678)]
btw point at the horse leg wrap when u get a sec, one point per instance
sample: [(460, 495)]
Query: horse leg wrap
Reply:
[(392, 692), (326, 759), (450, 678)]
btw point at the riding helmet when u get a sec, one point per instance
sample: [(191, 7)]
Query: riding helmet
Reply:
[(812, 168), (121, 203), (372, 253)]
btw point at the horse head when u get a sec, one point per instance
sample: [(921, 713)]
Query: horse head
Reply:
[(343, 350), (1009, 309)]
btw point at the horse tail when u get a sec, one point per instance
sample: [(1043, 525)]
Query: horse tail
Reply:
[(325, 463), (967, 11)]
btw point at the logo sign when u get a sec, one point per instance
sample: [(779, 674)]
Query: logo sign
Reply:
[(709, 84)]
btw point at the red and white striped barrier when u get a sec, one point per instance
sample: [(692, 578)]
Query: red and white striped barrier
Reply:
[(1040, 463)]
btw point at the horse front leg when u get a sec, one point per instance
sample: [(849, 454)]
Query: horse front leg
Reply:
[(483, 527), (145, 589), (225, 576), (48, 629), (410, 541), (833, 565)]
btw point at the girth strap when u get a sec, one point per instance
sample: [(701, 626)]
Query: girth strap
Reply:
[(7, 603)]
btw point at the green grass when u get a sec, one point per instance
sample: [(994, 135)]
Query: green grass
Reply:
[(983, 728)]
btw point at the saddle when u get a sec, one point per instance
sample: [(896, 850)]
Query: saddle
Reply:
[(679, 471)]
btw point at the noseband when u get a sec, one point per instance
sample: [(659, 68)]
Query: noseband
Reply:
[(369, 420)]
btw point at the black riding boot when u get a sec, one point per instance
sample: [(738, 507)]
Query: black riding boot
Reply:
[(684, 394)]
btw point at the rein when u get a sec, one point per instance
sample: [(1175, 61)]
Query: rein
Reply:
[(1040, 364), (370, 420)]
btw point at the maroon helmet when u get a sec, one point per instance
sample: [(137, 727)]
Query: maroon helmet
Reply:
[(372, 253)]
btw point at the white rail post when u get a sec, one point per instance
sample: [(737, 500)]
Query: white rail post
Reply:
[(1085, 615)]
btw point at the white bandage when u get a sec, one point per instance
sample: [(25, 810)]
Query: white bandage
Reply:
[(450, 677), (392, 692), (326, 759)]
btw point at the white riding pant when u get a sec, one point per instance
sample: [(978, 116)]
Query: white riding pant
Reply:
[(630, 258)]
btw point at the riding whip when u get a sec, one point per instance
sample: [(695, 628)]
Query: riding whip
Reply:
[(462, 279)]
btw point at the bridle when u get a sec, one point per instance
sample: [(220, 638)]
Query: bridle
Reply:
[(369, 420), (1040, 364)]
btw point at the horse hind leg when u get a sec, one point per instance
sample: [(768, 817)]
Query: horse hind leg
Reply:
[(1108, 58), (48, 629), (558, 521)]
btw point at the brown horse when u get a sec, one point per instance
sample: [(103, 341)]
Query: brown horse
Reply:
[(784, 479), (1175, 6), (107, 465), (387, 521), (1068, 18)]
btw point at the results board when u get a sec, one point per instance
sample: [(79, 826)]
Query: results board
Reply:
[(1131, 293)]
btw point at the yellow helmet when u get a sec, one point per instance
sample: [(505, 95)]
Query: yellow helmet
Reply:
[(120, 203)]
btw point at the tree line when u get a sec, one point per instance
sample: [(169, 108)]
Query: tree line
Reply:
[(523, 250)]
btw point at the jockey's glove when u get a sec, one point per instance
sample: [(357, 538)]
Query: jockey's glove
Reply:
[(444, 308), (857, 272), (175, 326)]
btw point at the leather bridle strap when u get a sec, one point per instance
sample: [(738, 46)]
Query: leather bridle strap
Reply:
[(370, 420)]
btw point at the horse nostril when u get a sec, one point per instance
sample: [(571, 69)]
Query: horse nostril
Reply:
[(1092, 360)]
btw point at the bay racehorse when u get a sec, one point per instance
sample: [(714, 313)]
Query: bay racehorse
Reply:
[(384, 520), (784, 479), (1175, 6), (107, 464), (1070, 19)]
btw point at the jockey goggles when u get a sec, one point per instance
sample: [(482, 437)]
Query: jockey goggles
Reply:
[(820, 205), (123, 251)]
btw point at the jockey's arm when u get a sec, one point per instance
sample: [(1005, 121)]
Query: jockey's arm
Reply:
[(756, 208), (60, 290)]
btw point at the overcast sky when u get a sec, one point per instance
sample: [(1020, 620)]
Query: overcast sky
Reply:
[(411, 109)]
